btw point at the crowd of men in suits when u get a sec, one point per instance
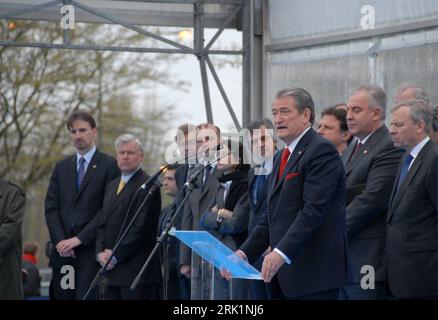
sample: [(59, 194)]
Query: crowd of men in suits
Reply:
[(346, 211), (350, 213)]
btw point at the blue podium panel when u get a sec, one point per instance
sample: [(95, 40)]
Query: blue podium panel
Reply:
[(216, 253)]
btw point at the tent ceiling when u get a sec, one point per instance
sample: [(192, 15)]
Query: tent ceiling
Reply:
[(173, 13)]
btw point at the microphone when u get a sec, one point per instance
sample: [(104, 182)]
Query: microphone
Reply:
[(152, 179), (195, 175)]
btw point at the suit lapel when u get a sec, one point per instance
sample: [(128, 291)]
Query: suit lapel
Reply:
[(128, 191), (251, 181), (112, 198), (91, 169), (209, 183), (251, 178), (411, 173), (260, 201), (274, 176), (365, 150), (294, 158), (360, 154), (346, 155), (72, 174), (394, 187)]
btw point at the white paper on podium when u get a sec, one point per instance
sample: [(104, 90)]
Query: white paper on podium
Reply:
[(217, 254)]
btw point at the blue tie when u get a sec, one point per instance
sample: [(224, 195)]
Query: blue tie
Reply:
[(404, 170), (207, 175), (81, 171), (258, 188)]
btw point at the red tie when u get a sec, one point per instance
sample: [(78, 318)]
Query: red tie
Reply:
[(356, 149), (284, 157)]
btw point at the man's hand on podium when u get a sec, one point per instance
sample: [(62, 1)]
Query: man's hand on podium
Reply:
[(186, 270), (226, 273), (271, 263)]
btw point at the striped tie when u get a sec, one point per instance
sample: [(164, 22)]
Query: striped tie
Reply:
[(81, 171)]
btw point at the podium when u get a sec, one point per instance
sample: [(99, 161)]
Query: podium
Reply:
[(209, 255)]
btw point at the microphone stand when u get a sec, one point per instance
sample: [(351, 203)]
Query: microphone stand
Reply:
[(101, 271), (166, 247), (152, 182), (191, 185)]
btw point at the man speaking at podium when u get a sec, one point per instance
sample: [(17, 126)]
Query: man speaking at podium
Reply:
[(305, 220)]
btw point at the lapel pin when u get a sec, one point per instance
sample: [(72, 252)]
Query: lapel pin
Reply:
[(365, 151), (94, 166), (299, 152)]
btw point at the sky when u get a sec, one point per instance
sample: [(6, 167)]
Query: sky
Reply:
[(190, 105)]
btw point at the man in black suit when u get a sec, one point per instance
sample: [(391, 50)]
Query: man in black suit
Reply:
[(207, 139), (264, 145), (186, 143), (411, 252), (305, 220), (172, 289), (370, 171), (122, 200), (74, 197), (333, 127)]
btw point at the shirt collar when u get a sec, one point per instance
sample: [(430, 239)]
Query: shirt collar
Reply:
[(416, 150), (227, 184), (127, 177), (266, 167), (297, 139), (88, 156), (367, 137)]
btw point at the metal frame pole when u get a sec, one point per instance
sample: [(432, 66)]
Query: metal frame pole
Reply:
[(200, 53)]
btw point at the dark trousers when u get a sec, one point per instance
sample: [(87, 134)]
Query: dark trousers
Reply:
[(184, 286), (147, 292), (173, 288), (84, 269), (277, 293), (355, 292), (259, 290)]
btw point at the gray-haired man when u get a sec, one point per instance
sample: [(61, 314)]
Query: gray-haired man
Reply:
[(116, 214)]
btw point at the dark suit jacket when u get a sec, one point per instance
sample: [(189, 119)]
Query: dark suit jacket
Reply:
[(259, 209), (195, 206), (181, 176), (232, 231), (71, 212), (370, 177), (140, 239), (12, 208), (412, 230), (346, 155), (306, 219), (172, 243)]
